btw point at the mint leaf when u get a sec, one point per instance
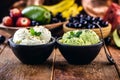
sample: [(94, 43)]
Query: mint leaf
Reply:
[(34, 33), (37, 33), (78, 34), (72, 34)]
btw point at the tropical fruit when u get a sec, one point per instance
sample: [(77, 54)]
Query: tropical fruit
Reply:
[(37, 13), (116, 36), (60, 7)]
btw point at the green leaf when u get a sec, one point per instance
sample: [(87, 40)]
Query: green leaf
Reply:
[(37, 33), (34, 33), (78, 34), (71, 33)]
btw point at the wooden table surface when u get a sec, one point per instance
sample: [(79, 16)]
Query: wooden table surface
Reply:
[(57, 68)]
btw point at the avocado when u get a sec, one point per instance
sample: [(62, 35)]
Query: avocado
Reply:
[(116, 38), (37, 13), (118, 30)]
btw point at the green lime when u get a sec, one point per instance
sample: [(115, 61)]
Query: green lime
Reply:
[(37, 13)]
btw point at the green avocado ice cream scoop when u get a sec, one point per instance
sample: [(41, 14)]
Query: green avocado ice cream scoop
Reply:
[(80, 37)]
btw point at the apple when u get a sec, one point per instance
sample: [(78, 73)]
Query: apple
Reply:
[(7, 21), (15, 13), (23, 22)]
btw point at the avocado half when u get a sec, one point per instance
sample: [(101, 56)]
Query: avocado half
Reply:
[(116, 38)]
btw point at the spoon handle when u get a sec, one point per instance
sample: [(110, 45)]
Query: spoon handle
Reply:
[(107, 52)]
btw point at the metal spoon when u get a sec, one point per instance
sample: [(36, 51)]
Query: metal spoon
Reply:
[(109, 57)]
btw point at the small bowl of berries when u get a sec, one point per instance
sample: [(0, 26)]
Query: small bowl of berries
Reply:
[(88, 22)]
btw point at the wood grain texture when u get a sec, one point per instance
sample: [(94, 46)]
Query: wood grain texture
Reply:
[(99, 69), (12, 69), (115, 52)]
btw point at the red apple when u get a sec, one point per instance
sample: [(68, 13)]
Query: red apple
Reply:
[(7, 21), (23, 22), (15, 13)]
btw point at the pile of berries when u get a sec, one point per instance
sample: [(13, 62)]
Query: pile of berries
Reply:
[(57, 18), (86, 22)]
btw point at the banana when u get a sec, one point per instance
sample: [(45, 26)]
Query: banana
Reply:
[(67, 13), (60, 7), (80, 8), (72, 11), (76, 10)]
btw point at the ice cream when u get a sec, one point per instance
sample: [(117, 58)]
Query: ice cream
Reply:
[(33, 36), (80, 37)]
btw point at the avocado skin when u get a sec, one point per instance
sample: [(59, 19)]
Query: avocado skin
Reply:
[(37, 13), (116, 38)]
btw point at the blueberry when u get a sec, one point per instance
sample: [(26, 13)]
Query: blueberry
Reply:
[(93, 19), (59, 15), (2, 39), (81, 15), (78, 16), (63, 19), (104, 23), (94, 22), (69, 24), (55, 20), (98, 22), (33, 23), (75, 21), (81, 21), (37, 23), (108, 40), (71, 19), (98, 19), (89, 26), (82, 18), (76, 25), (79, 25), (84, 22), (88, 18), (93, 26)]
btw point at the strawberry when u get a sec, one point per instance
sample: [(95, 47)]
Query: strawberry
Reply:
[(15, 13), (23, 22), (7, 21)]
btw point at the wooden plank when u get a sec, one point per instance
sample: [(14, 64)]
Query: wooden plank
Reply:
[(12, 69), (115, 52), (99, 69), (7, 35)]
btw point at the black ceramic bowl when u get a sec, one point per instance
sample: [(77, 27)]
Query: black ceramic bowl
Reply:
[(32, 54), (79, 54)]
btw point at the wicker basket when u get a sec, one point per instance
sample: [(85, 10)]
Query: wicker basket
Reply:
[(105, 30)]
